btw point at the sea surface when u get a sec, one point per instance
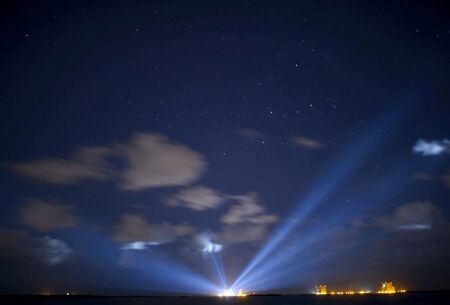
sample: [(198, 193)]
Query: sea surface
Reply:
[(422, 298)]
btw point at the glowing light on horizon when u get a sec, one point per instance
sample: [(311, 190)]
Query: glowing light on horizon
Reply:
[(348, 161), (230, 293), (386, 288)]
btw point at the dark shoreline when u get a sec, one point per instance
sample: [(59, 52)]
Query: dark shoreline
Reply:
[(205, 296)]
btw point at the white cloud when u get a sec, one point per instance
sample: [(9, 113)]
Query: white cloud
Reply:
[(263, 219), (305, 142), (19, 246), (198, 198), (205, 240), (155, 161), (247, 210), (242, 233), (44, 216), (87, 163), (151, 160), (52, 251), (431, 148), (139, 245), (420, 215), (245, 221), (134, 228)]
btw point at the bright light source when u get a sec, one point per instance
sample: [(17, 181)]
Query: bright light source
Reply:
[(205, 239), (212, 248), (226, 293), (230, 293)]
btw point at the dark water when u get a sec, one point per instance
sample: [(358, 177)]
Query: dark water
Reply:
[(424, 298)]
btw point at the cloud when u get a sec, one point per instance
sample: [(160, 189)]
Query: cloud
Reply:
[(134, 228), (16, 245), (245, 221), (421, 215), (242, 233), (86, 163), (445, 178), (248, 210), (52, 251), (431, 148), (424, 176), (308, 143), (44, 216), (151, 160), (250, 133), (263, 219), (155, 161), (139, 245), (415, 227), (205, 240), (198, 198)]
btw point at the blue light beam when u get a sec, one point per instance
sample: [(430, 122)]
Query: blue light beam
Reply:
[(350, 160)]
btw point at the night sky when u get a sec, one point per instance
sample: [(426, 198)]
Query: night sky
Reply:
[(193, 146)]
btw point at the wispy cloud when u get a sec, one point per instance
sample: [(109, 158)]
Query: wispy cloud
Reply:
[(250, 133), (45, 216), (139, 245), (14, 243), (246, 209), (431, 148), (88, 163), (133, 231), (445, 178), (198, 198), (416, 226), (52, 251), (242, 233), (424, 176), (245, 221), (19, 246), (305, 142), (151, 160), (420, 215)]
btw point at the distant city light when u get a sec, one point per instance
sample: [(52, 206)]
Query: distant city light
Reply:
[(386, 288)]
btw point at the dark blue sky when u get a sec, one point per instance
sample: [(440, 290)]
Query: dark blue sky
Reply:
[(171, 145)]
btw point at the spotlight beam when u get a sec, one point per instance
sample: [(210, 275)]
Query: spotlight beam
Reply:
[(350, 160), (169, 274), (219, 269), (283, 258)]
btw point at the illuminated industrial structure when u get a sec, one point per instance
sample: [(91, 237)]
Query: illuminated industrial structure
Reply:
[(321, 289), (389, 288), (386, 288), (349, 292)]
